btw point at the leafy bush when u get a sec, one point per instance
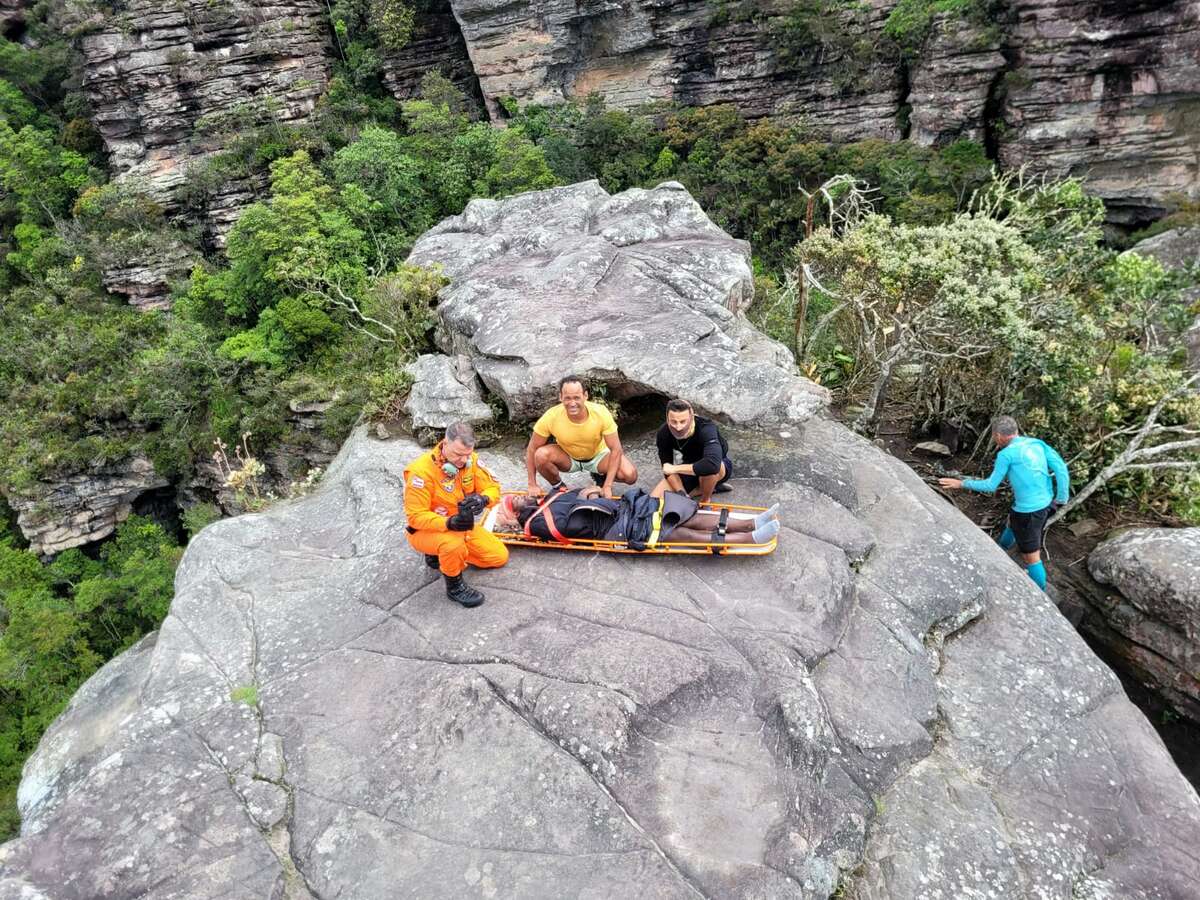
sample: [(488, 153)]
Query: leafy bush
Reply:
[(1016, 307), (910, 21), (197, 518), (66, 382), (746, 174)]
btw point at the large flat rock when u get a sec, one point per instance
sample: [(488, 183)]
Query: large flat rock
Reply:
[(639, 290), (886, 703)]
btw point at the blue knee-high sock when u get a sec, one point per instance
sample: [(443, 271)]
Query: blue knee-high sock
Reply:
[(1007, 539), (1037, 572)]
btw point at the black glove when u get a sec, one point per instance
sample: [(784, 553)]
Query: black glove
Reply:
[(463, 520), (473, 503)]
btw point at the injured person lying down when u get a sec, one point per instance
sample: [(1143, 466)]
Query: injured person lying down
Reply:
[(635, 516)]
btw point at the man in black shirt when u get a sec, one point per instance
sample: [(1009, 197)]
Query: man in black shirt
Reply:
[(705, 466)]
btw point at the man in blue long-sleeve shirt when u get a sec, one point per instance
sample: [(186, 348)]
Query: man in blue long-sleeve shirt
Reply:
[(1029, 465)]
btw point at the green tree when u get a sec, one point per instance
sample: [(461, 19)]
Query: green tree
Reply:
[(41, 178)]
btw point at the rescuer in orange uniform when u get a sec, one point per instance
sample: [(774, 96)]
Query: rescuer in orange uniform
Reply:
[(444, 490)]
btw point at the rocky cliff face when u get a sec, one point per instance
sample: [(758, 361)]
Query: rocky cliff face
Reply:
[(543, 51), (166, 81), (1109, 92), (436, 43), (1070, 87), (1102, 91), (12, 17), (885, 703)]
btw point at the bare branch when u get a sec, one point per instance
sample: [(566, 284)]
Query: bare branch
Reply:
[(807, 271), (1165, 464), (1169, 447)]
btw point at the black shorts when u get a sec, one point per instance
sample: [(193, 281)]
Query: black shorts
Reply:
[(1029, 528), (691, 482)]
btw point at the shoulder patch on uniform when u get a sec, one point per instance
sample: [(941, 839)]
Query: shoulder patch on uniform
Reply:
[(417, 482)]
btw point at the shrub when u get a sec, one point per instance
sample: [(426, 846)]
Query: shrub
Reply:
[(1017, 308)]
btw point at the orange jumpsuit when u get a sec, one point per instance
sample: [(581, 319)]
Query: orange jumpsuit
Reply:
[(430, 496)]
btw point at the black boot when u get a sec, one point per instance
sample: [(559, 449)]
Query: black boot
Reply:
[(458, 591), (431, 560)]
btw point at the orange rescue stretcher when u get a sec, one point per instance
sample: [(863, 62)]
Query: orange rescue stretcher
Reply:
[(708, 548)]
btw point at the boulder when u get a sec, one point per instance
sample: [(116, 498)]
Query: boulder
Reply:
[(885, 707), (640, 291), (934, 448), (445, 390), (1157, 615), (1176, 248)]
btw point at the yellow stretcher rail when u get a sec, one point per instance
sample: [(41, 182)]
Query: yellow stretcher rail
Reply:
[(693, 548)]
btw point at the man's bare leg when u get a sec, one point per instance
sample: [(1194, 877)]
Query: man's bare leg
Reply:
[(700, 527), (707, 521), (708, 484), (551, 462), (627, 473), (668, 483), (696, 536)]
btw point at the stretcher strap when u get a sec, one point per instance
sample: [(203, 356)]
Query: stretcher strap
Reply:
[(656, 523), (718, 534), (544, 512)]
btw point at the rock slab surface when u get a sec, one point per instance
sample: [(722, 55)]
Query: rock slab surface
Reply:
[(886, 704)]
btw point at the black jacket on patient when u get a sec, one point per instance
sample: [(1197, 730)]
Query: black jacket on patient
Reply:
[(628, 518)]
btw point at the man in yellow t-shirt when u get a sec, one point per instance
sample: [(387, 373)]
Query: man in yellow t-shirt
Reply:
[(586, 441)]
